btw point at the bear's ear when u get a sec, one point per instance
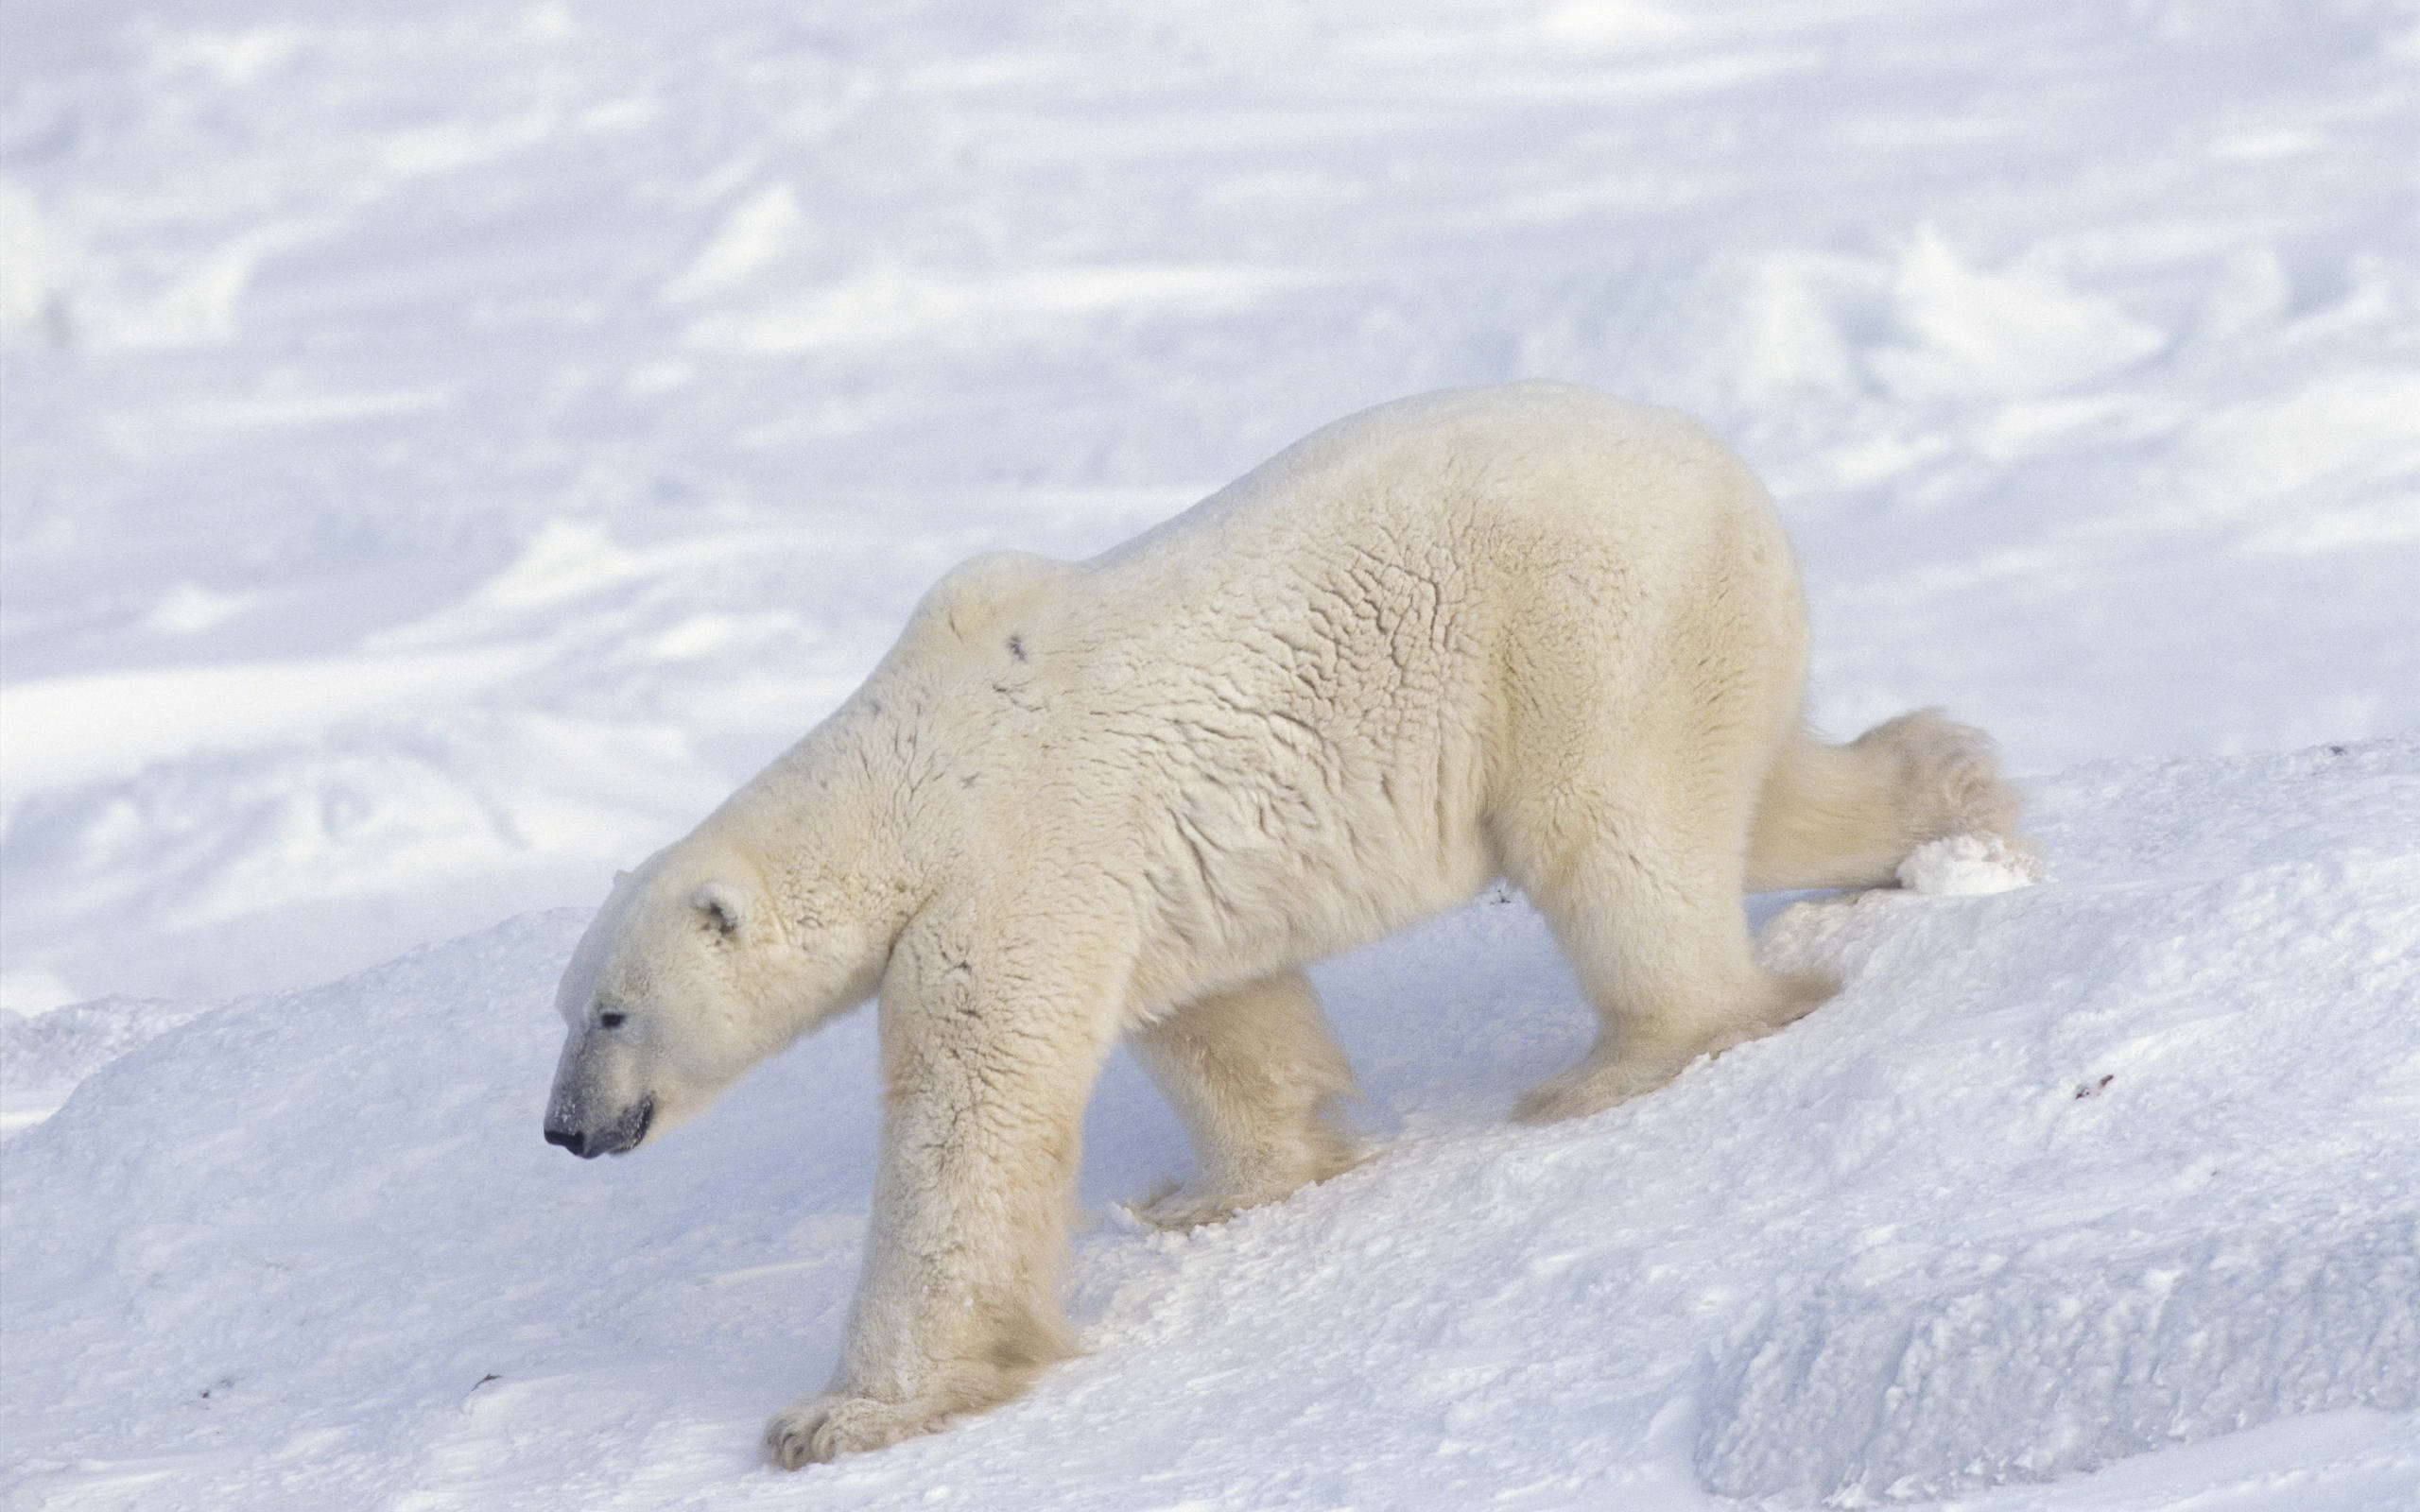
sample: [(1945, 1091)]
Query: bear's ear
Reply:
[(725, 907)]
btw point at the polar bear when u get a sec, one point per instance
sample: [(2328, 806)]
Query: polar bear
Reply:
[(1528, 632)]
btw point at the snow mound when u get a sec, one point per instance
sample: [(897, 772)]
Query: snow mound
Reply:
[(2204, 1221), (2121, 1165), (42, 1057)]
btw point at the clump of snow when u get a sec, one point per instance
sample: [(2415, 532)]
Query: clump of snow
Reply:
[(1968, 866)]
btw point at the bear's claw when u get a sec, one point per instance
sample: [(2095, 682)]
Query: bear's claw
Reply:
[(822, 1428)]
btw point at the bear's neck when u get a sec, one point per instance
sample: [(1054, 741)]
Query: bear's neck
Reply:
[(827, 833)]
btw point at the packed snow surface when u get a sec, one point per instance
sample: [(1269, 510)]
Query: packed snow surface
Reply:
[(445, 448)]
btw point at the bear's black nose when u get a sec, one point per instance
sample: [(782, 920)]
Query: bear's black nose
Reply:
[(568, 1138)]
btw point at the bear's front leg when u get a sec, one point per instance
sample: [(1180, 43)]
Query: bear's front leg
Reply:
[(957, 1305)]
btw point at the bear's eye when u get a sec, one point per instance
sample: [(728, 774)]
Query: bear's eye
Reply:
[(610, 1019)]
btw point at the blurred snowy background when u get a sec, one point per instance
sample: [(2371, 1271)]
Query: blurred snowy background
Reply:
[(446, 446)]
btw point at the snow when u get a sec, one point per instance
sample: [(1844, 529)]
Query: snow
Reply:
[(2119, 1162), (446, 449), (1971, 864)]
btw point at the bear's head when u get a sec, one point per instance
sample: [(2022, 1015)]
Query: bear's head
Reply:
[(691, 974)]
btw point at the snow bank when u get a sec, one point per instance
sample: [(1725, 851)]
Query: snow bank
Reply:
[(2126, 1162)]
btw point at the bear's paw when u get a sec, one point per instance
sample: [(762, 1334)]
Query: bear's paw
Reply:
[(819, 1429)]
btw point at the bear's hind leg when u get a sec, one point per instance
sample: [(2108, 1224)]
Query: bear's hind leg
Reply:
[(1253, 1074), (1647, 906), (1847, 816)]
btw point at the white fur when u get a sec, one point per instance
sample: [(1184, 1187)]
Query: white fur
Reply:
[(1528, 631)]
